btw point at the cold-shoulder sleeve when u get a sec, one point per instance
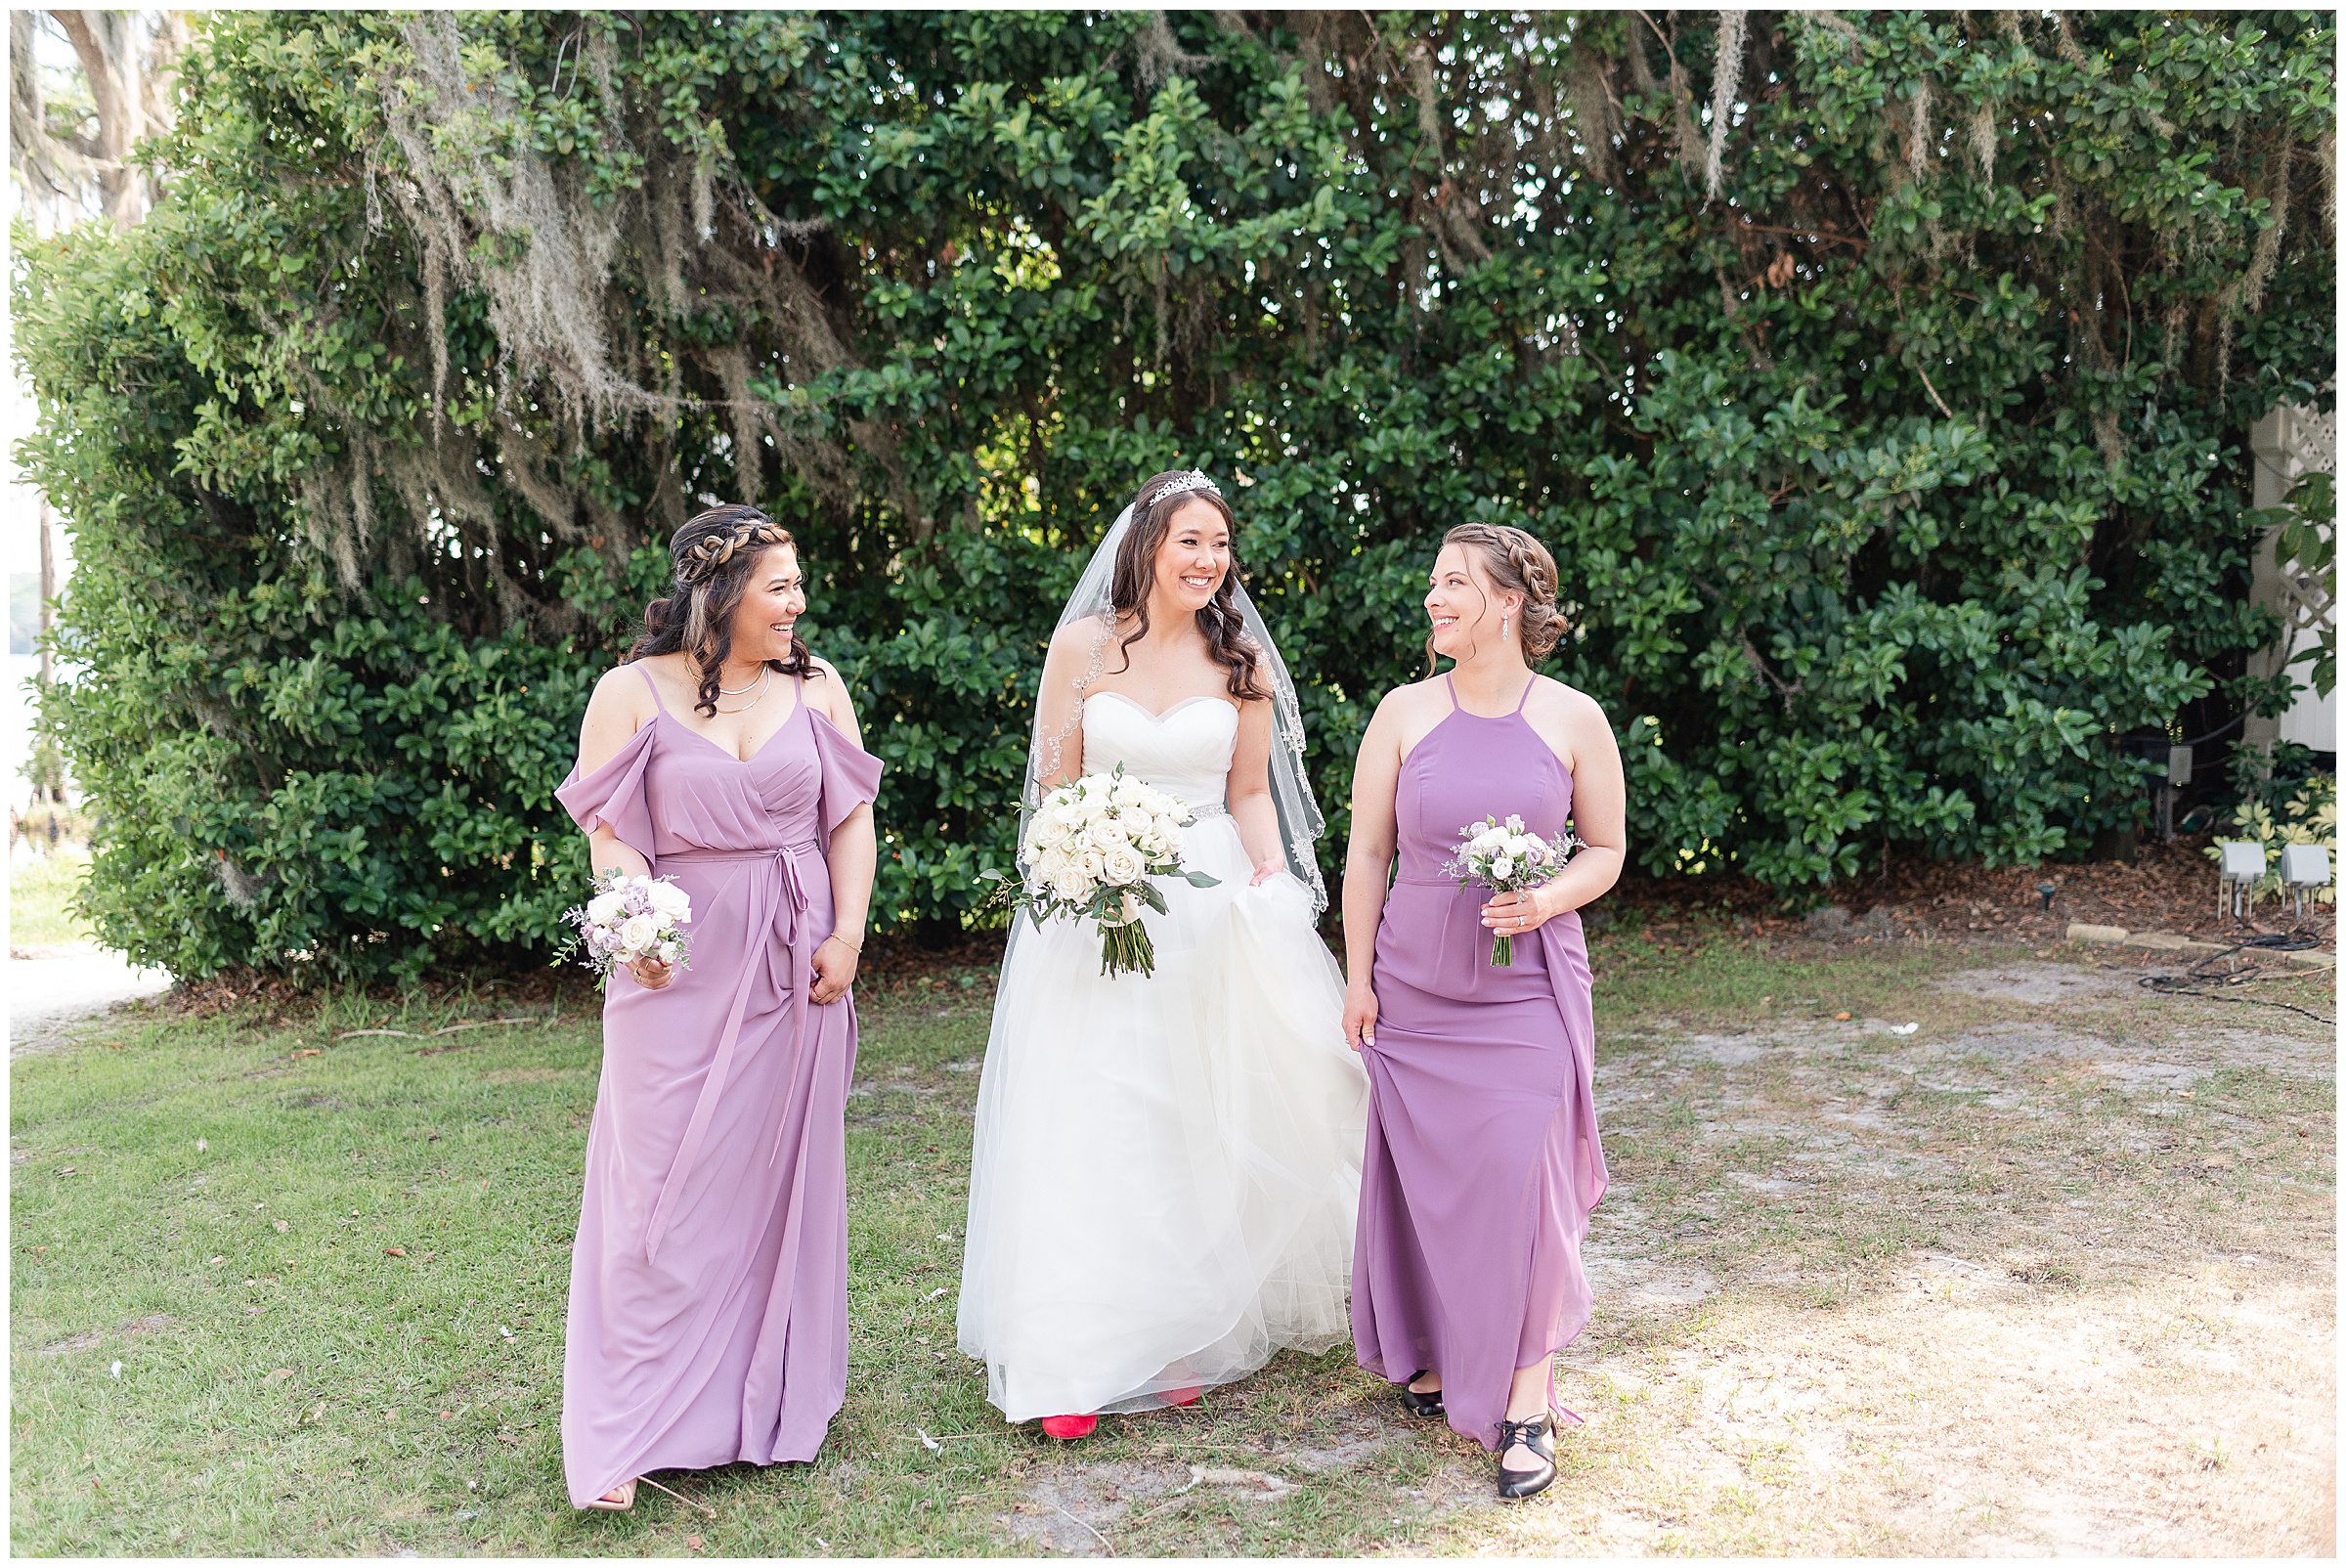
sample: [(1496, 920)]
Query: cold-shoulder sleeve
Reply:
[(612, 796), (850, 774)]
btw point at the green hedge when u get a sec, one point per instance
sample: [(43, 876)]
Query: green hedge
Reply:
[(1888, 428)]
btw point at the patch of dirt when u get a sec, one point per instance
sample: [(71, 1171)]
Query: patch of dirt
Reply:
[(2054, 1284), (1076, 1509), (1643, 1286), (1353, 1444), (2036, 983), (152, 1323)]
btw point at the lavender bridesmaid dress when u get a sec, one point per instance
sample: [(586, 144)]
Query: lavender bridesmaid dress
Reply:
[(1482, 1161), (708, 1281)]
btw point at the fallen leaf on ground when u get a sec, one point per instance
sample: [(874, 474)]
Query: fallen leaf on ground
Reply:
[(307, 1050), (280, 1372), (1841, 1018), (395, 1251), (694, 1542)]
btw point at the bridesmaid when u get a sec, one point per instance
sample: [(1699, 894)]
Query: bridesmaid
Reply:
[(1482, 1161), (707, 1283)]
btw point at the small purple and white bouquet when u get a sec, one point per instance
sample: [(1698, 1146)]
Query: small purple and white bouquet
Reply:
[(631, 917), (1502, 858)]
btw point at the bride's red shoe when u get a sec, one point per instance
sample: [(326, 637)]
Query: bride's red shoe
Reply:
[(1066, 1428)]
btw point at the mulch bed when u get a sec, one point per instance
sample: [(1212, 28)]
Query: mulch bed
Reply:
[(569, 988), (2169, 888)]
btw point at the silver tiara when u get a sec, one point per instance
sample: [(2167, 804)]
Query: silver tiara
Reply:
[(1183, 484)]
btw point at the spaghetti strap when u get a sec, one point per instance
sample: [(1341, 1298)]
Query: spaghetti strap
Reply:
[(655, 685), (1527, 693), (1452, 687)]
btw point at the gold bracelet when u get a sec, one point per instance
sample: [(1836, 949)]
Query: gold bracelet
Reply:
[(856, 948)]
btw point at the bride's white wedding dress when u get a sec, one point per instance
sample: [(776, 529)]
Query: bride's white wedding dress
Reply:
[(1168, 1167)]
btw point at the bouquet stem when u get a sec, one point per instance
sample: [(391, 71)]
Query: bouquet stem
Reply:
[(1127, 950), (1502, 950)]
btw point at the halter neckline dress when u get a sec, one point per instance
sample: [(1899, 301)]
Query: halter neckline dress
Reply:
[(708, 1284), (1482, 1161)]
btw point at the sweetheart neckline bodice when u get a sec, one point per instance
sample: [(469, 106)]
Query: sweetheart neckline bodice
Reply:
[(1167, 715), (1188, 760)]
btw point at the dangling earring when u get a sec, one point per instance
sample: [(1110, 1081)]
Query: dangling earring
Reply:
[(1503, 625)]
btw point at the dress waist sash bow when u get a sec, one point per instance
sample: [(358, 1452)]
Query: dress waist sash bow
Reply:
[(777, 895)]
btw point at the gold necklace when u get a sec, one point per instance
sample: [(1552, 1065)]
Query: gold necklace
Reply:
[(763, 682)]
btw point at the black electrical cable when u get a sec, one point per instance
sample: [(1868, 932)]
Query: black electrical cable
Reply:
[(2193, 980), (2218, 730), (2164, 740), (2282, 941)]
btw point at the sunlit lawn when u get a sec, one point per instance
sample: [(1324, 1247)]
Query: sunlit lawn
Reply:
[(39, 895)]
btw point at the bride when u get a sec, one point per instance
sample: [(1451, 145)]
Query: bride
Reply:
[(1168, 1167)]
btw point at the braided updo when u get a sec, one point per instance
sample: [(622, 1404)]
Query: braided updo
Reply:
[(1515, 563), (716, 556)]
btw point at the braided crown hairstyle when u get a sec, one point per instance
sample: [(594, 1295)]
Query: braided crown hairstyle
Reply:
[(716, 556), (1517, 563), (1226, 638)]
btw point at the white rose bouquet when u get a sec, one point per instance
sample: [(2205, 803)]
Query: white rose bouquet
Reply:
[(631, 917), (1502, 858), (1090, 850)]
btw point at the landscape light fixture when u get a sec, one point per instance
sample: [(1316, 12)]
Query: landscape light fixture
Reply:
[(2045, 891), (2239, 871), (2303, 868)]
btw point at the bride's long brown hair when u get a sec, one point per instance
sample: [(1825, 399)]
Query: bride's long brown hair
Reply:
[(1226, 638)]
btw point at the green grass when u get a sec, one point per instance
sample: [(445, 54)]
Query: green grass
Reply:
[(40, 895), (311, 1393)]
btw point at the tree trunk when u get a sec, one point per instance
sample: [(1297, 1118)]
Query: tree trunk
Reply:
[(107, 43)]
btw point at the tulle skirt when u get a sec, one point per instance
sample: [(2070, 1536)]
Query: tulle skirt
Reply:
[(1167, 1168)]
